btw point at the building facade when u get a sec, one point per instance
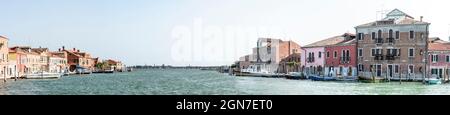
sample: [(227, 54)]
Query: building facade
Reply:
[(392, 48), (439, 58), (268, 54), (314, 62), (340, 59), (4, 52)]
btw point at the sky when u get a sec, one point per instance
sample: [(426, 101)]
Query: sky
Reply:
[(194, 32)]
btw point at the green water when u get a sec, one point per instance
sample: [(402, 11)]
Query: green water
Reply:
[(197, 82)]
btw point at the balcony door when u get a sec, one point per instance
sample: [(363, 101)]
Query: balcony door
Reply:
[(378, 70), (390, 71)]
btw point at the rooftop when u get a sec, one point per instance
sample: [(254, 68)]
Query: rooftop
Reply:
[(395, 17), (333, 40)]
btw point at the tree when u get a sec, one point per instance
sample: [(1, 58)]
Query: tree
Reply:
[(291, 64)]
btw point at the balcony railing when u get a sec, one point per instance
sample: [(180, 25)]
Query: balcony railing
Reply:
[(390, 57), (378, 57), (379, 40), (390, 40), (310, 59), (344, 60)]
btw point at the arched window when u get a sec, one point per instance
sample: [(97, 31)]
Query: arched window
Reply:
[(391, 33), (379, 33)]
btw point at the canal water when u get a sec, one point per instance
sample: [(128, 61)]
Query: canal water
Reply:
[(198, 82)]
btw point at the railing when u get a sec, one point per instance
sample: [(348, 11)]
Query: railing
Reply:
[(379, 40), (390, 40), (344, 60), (390, 57), (378, 57), (310, 59)]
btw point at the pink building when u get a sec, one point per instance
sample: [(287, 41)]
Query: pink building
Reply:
[(439, 55), (340, 59), (313, 62)]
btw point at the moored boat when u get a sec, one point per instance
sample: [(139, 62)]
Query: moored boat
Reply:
[(370, 80), (433, 81), (43, 75), (295, 75), (320, 78)]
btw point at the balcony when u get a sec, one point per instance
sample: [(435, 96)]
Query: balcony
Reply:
[(378, 40), (378, 57), (390, 40), (310, 59), (390, 57), (345, 60)]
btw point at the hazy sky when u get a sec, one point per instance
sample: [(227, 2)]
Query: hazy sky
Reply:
[(196, 32)]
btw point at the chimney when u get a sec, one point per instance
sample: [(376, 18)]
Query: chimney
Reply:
[(59, 50), (63, 48), (74, 49), (421, 18), (78, 50)]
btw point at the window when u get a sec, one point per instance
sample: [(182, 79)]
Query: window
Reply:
[(411, 34), (398, 51), (377, 51), (373, 52), (391, 33), (328, 54), (335, 54), (360, 67), (360, 36), (411, 69), (411, 52), (396, 69), (379, 33), (348, 54), (397, 34), (447, 58), (320, 54), (434, 58), (373, 35), (394, 52), (360, 52)]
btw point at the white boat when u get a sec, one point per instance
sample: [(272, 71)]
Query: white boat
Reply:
[(434, 80), (43, 75)]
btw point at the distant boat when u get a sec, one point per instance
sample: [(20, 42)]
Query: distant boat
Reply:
[(103, 71), (295, 75), (370, 79), (319, 78), (43, 75), (82, 70)]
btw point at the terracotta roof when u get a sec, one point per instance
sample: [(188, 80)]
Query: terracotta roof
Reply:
[(70, 52), (330, 41), (39, 50), (439, 46), (436, 40)]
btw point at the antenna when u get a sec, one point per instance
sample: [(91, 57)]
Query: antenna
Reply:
[(381, 13)]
